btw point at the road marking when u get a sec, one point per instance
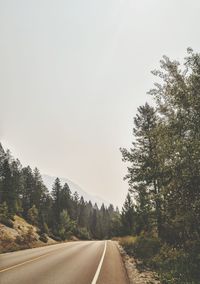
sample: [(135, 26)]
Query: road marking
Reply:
[(94, 281), (22, 263)]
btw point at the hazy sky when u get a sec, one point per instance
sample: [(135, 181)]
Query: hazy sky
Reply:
[(72, 74)]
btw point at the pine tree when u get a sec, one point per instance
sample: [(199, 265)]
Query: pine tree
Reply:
[(9, 194), (128, 216), (66, 199), (146, 168), (32, 215), (82, 213), (27, 190), (178, 104), (56, 195)]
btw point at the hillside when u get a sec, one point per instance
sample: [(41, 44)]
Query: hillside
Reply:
[(19, 234), (58, 212)]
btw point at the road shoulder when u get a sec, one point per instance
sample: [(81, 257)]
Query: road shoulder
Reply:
[(113, 270)]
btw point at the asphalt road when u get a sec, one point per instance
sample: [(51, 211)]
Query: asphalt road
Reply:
[(82, 262)]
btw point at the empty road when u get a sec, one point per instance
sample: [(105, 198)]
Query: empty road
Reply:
[(82, 262)]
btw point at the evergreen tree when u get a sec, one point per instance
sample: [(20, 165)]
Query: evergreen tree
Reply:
[(9, 194), (76, 208), (56, 195), (61, 213), (27, 190), (66, 225), (128, 216), (66, 199), (32, 215), (164, 171), (82, 213), (146, 168)]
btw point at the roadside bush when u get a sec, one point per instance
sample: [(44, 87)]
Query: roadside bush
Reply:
[(177, 266), (127, 243), (83, 234), (66, 226), (63, 234), (7, 222), (32, 215), (43, 238), (55, 238), (141, 247), (146, 247), (45, 228), (5, 217)]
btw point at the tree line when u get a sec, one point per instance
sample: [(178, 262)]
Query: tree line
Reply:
[(164, 162), (58, 213)]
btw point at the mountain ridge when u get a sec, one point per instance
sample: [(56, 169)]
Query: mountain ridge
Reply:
[(49, 180)]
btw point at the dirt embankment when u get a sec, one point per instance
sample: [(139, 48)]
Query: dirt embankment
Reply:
[(21, 235)]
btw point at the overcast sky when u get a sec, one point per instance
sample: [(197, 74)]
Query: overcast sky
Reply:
[(72, 74)]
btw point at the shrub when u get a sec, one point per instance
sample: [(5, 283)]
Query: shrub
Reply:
[(146, 247), (127, 243), (45, 228), (33, 215), (44, 238), (7, 222), (5, 217), (177, 266), (83, 234), (55, 238), (141, 247)]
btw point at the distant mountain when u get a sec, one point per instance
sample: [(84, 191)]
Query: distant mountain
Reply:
[(49, 180)]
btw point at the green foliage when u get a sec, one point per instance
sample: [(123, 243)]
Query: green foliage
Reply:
[(5, 217), (45, 228), (177, 265), (32, 215), (66, 225), (4, 210), (164, 171), (115, 225), (83, 234), (145, 247), (60, 214), (142, 247), (128, 216)]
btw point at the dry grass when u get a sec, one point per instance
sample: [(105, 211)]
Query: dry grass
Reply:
[(126, 241), (21, 236)]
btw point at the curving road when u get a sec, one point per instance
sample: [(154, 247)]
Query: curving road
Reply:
[(84, 262)]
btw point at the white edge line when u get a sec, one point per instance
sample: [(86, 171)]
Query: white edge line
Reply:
[(94, 281)]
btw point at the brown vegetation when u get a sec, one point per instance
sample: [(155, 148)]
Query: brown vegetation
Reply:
[(22, 235)]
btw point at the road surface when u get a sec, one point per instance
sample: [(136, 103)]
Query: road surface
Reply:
[(82, 262)]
